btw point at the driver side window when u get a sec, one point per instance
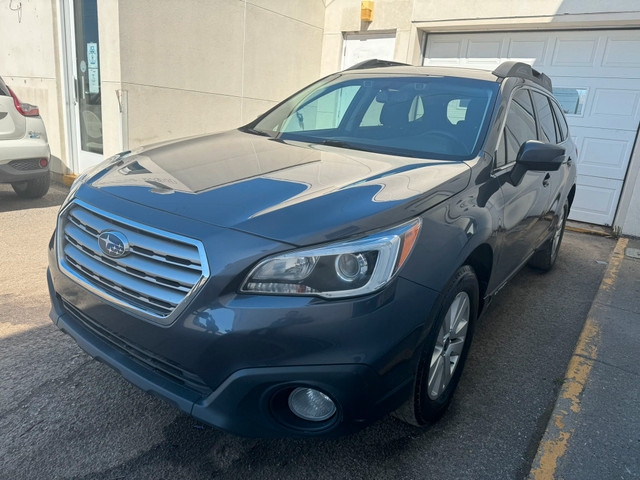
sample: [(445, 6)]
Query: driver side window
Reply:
[(519, 127)]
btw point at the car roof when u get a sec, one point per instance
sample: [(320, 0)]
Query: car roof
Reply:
[(473, 73)]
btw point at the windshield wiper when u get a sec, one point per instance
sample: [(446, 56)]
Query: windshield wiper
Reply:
[(254, 131), (343, 144), (337, 143)]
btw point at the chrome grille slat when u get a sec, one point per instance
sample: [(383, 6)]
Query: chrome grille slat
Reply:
[(121, 279), (109, 285), (157, 245), (151, 270), (157, 276), (136, 250), (120, 268)]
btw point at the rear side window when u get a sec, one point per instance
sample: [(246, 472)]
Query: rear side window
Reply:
[(562, 123), (545, 117), (519, 127)]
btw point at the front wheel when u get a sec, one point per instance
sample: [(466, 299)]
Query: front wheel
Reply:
[(545, 258), (445, 351), (36, 188)]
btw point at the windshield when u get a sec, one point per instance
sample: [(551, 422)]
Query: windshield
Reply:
[(431, 117)]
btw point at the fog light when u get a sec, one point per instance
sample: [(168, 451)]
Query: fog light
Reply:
[(312, 405), (44, 162)]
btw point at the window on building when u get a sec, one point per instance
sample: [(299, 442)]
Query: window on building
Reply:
[(571, 100)]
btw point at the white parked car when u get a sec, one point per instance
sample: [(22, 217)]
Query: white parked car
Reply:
[(24, 149)]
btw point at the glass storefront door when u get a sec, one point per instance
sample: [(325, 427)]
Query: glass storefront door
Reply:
[(83, 69)]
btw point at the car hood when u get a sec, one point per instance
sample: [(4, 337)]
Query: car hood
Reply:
[(292, 192)]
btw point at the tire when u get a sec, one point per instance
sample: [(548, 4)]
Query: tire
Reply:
[(430, 400), (36, 188), (546, 256)]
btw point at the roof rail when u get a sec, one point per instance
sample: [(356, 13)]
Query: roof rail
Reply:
[(375, 63), (522, 70)]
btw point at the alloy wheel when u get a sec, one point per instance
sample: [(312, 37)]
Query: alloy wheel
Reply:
[(449, 345)]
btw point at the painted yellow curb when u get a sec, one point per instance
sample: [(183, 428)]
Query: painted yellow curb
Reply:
[(555, 441), (586, 230), (68, 179)]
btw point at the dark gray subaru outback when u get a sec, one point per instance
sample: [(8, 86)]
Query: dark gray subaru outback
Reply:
[(324, 265)]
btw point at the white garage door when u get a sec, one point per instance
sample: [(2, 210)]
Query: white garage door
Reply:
[(596, 78)]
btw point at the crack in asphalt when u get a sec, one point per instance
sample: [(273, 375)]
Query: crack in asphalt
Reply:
[(597, 360)]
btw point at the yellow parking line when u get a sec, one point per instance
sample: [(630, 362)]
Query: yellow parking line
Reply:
[(555, 441)]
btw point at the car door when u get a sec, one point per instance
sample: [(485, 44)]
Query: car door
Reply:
[(525, 203), (550, 132)]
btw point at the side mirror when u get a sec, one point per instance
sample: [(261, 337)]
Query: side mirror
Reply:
[(537, 156)]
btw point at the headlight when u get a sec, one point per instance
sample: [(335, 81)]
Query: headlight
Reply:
[(90, 172), (336, 270)]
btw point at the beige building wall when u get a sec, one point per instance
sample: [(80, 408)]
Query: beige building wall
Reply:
[(29, 64), (206, 65)]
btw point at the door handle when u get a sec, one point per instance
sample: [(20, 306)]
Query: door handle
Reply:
[(545, 182)]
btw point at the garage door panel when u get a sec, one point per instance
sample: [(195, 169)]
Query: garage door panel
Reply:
[(616, 105), (575, 52), (447, 52), (583, 54), (531, 50), (603, 153), (616, 54), (484, 52), (609, 103), (596, 200)]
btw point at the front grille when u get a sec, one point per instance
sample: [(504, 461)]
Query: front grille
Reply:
[(28, 164), (155, 278), (164, 367)]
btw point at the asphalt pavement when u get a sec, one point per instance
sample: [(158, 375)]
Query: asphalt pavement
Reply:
[(594, 430), (63, 415)]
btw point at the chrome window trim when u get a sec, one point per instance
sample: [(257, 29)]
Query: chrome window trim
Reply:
[(118, 302)]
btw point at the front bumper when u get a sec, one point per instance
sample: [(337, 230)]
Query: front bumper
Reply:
[(242, 403), (228, 359)]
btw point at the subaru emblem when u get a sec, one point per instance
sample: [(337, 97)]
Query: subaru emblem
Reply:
[(113, 244)]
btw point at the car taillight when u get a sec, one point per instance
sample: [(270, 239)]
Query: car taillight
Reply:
[(25, 109), (44, 162)]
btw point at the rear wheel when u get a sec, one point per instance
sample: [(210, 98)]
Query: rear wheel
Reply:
[(36, 188), (445, 351), (545, 258)]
